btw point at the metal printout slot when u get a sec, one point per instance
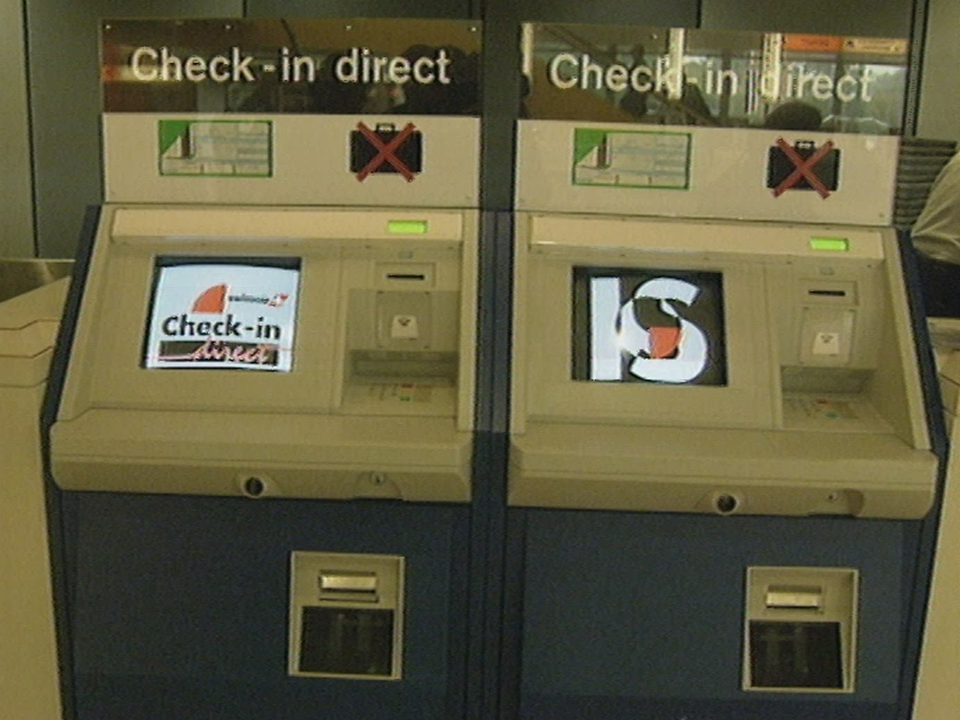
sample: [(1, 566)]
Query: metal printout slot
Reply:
[(347, 582), (797, 598)]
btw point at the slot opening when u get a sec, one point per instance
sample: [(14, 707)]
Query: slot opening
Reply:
[(406, 276)]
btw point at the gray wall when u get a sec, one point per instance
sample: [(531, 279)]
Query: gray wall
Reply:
[(940, 85), (453, 9), (63, 56), (16, 208)]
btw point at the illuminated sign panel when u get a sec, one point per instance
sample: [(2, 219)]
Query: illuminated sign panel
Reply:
[(223, 314), (654, 326)]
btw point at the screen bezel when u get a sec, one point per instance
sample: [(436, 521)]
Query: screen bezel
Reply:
[(551, 393), (336, 247), (126, 269)]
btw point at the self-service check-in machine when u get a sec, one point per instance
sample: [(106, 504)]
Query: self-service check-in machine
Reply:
[(272, 346), (266, 351), (710, 320), (277, 301), (699, 366)]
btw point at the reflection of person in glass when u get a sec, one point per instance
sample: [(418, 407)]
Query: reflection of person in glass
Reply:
[(458, 97), (330, 95), (325, 94), (794, 115), (690, 109), (634, 101)]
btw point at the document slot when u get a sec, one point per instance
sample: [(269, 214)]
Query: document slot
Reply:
[(406, 275)]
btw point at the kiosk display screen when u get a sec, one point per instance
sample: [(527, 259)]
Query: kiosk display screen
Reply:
[(227, 314), (648, 325)]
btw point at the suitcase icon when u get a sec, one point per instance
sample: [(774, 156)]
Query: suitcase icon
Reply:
[(804, 166), (385, 149)]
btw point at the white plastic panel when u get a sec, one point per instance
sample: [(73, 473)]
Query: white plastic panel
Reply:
[(307, 163), (713, 173)]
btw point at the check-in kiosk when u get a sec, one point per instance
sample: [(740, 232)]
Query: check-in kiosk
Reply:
[(304, 325), (725, 327), (722, 452), (278, 301), (710, 366)]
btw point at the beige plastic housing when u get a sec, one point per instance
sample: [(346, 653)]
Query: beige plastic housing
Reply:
[(362, 413), (29, 678), (786, 601), (346, 616), (794, 431)]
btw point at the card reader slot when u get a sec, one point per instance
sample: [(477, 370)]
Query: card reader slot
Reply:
[(406, 276), (818, 291)]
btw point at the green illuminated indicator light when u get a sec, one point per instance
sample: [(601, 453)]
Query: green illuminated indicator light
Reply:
[(830, 244), (407, 227)]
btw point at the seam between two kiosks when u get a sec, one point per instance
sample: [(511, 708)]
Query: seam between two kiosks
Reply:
[(929, 526)]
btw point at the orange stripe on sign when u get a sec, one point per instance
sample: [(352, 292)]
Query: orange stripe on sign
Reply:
[(813, 43)]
